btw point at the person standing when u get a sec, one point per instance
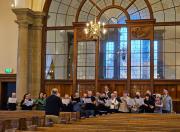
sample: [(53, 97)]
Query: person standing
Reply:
[(40, 102), (90, 104), (107, 92), (113, 104), (138, 103), (12, 102), (167, 102), (76, 102), (52, 108), (27, 103), (67, 104), (148, 104), (124, 108), (158, 104)]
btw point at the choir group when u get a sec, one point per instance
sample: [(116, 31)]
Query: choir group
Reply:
[(102, 103)]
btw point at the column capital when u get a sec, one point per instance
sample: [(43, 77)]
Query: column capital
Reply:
[(38, 19), (26, 16)]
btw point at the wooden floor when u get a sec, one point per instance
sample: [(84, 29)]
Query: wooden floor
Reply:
[(120, 123)]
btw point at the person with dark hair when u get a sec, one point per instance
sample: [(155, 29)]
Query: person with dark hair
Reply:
[(27, 103), (151, 97), (148, 104), (107, 92), (12, 102), (167, 102), (40, 102), (52, 108)]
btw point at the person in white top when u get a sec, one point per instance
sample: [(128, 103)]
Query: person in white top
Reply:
[(113, 104), (67, 106), (12, 102), (138, 102), (124, 108), (27, 103)]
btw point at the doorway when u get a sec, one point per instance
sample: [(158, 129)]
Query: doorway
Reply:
[(6, 89)]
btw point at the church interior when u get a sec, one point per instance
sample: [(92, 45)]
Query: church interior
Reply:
[(78, 46)]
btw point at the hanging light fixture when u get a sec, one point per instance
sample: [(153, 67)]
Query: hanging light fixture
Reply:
[(94, 29), (13, 3)]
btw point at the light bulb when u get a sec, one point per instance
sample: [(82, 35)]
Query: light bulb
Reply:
[(104, 31), (86, 31), (12, 5), (99, 22), (87, 24)]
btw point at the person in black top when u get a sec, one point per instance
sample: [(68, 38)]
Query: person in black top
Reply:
[(100, 104), (27, 103), (67, 104), (76, 102), (148, 104), (152, 98), (52, 108), (90, 105)]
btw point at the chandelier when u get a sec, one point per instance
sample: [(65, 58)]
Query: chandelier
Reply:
[(94, 29)]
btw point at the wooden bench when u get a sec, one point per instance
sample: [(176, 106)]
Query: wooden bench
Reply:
[(122, 122), (21, 120), (30, 120)]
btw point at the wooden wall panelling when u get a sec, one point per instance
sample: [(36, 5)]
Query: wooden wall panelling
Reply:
[(142, 88), (178, 92), (62, 88), (171, 88), (120, 88), (83, 88)]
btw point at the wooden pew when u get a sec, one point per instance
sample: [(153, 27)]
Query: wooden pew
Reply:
[(122, 122), (21, 120)]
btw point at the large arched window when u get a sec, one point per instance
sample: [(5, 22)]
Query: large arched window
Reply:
[(59, 42), (124, 55)]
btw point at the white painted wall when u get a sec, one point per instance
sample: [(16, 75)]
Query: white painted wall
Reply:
[(9, 30), (8, 37)]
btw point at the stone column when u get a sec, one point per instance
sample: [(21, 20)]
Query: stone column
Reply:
[(23, 20), (29, 52), (36, 51)]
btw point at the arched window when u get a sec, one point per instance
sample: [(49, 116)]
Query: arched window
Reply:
[(139, 52)]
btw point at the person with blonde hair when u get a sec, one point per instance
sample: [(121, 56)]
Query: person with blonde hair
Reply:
[(158, 104), (113, 104), (67, 105)]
